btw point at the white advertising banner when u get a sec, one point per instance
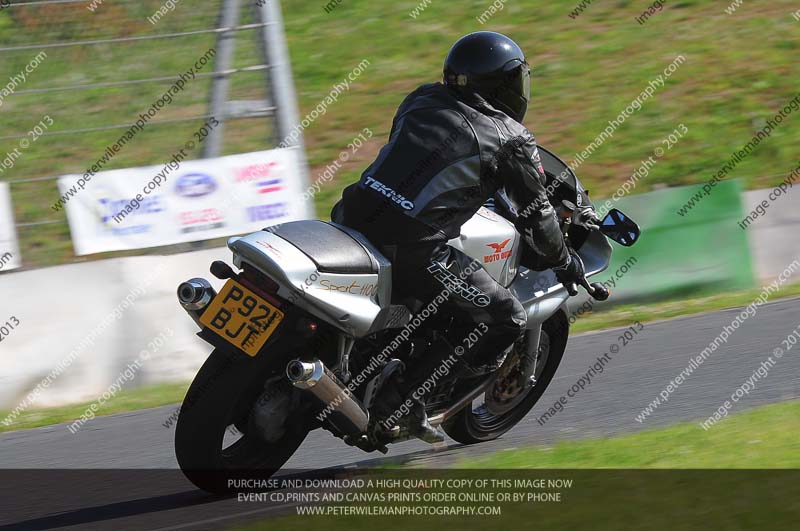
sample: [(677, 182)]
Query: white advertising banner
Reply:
[(9, 247), (198, 200)]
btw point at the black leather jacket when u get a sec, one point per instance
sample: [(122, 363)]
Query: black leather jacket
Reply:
[(445, 157)]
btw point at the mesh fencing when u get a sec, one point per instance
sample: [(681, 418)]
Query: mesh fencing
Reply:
[(76, 75)]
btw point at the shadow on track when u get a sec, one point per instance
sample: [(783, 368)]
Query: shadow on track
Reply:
[(35, 500)]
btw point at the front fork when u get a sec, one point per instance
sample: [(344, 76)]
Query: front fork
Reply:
[(533, 340)]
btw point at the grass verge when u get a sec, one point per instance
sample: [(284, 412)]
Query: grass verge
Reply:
[(624, 315), (738, 73), (764, 437), (124, 401), (709, 496)]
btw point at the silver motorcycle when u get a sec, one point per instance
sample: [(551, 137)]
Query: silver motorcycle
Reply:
[(306, 328)]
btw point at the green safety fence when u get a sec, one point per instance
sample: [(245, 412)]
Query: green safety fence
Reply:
[(702, 251)]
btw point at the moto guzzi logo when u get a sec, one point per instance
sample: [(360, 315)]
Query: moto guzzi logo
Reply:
[(499, 253)]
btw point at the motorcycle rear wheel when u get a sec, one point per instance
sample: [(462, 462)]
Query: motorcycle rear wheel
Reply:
[(222, 392)]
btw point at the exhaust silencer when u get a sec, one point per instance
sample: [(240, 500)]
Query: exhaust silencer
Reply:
[(195, 295), (339, 406)]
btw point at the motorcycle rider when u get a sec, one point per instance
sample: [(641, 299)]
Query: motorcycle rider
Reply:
[(453, 146)]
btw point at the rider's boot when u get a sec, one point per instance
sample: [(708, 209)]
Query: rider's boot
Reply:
[(403, 395)]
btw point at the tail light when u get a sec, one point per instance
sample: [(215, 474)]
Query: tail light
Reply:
[(261, 284)]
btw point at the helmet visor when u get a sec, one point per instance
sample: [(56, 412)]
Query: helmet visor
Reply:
[(519, 79), (526, 82), (517, 91)]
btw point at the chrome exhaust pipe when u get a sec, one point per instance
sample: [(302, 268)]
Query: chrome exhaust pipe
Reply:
[(195, 295), (338, 405)]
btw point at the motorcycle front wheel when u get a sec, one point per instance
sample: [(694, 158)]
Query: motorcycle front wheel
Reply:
[(476, 423)]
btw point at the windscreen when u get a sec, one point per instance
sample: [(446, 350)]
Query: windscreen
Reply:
[(557, 170)]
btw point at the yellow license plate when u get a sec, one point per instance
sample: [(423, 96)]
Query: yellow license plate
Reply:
[(242, 318)]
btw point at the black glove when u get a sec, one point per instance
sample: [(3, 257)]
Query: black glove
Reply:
[(585, 217), (572, 273), (582, 216)]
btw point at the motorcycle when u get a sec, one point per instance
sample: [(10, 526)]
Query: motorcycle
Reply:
[(307, 329)]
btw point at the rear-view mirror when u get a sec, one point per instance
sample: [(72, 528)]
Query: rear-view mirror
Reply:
[(620, 228)]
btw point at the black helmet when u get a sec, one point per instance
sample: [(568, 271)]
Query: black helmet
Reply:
[(494, 66)]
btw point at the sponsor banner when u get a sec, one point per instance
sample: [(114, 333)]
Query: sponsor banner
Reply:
[(9, 248), (195, 200)]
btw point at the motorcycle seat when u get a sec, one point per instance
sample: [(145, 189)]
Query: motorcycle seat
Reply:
[(330, 248)]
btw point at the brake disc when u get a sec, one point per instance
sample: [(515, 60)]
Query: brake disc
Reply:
[(515, 378)]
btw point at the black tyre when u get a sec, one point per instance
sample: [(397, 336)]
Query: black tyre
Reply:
[(477, 424), (221, 396)]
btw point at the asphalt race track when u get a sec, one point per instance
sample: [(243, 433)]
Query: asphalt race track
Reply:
[(609, 405)]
